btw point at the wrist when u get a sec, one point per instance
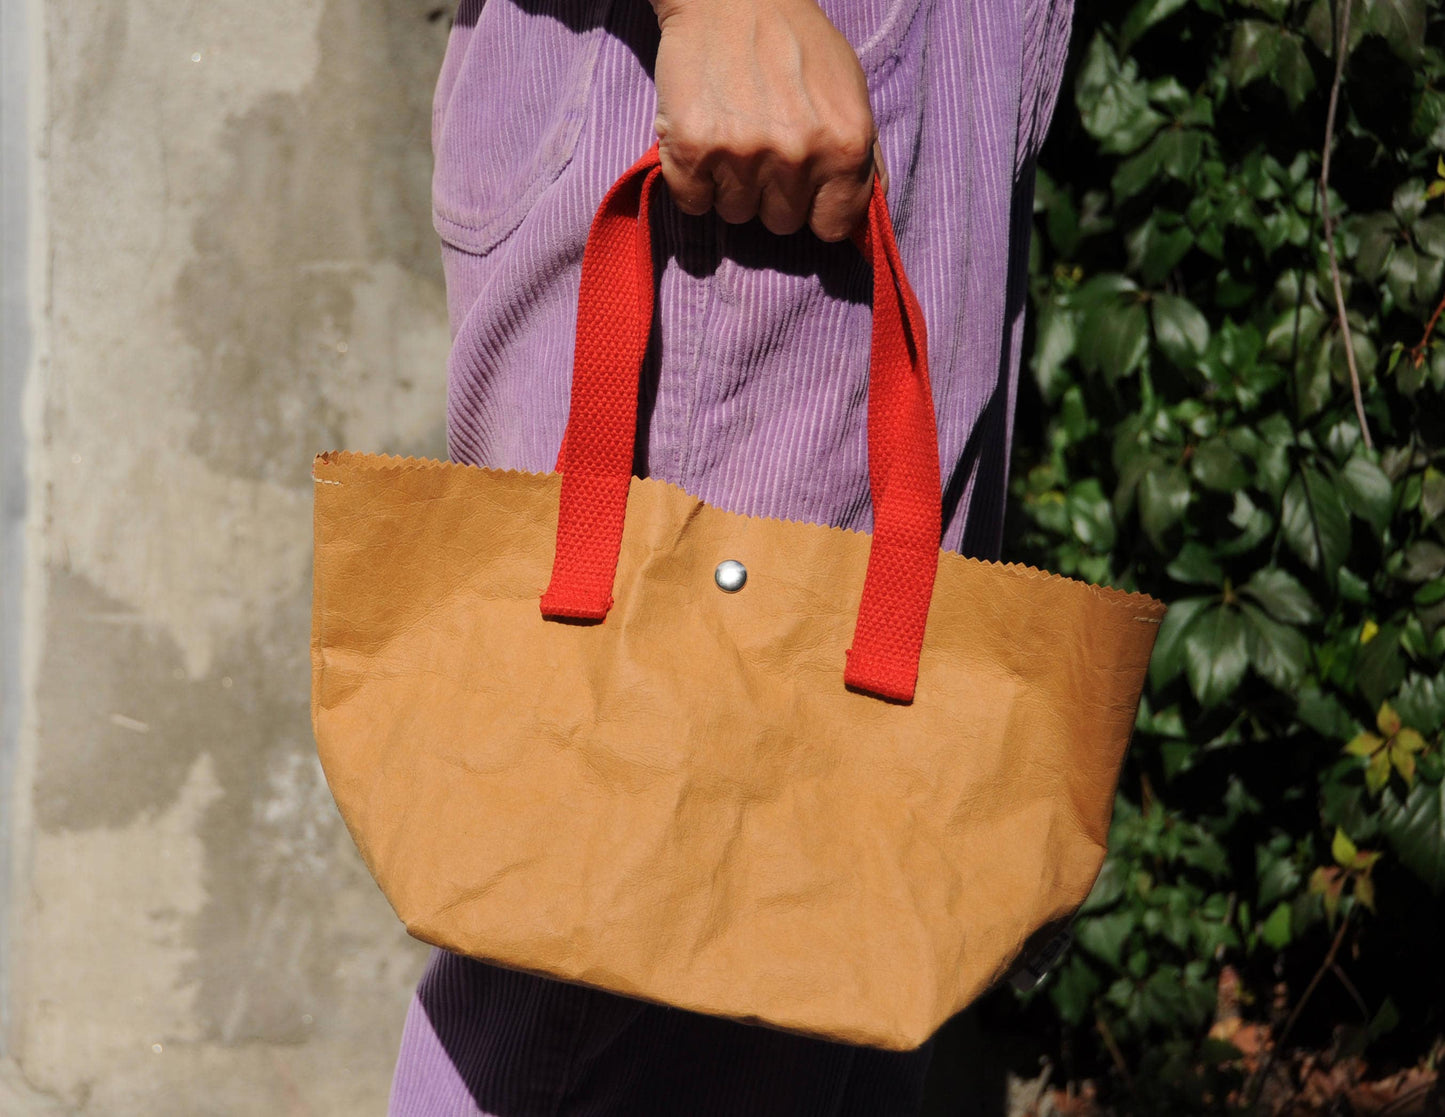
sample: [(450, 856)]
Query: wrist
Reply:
[(667, 9)]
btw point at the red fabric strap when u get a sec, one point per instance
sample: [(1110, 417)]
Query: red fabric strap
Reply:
[(614, 317)]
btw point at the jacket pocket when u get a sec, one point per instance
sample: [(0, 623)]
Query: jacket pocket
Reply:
[(509, 109), (874, 28)]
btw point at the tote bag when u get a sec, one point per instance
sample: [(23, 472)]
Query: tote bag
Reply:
[(585, 725)]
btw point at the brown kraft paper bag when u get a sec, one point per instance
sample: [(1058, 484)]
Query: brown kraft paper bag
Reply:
[(838, 801)]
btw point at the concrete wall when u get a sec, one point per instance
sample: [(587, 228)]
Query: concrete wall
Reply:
[(229, 265)]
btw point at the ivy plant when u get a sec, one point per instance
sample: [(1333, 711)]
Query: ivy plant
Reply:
[(1190, 429)]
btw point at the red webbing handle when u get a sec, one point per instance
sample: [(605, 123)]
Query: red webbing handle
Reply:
[(614, 319)]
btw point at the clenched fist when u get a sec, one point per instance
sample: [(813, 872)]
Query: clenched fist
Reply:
[(762, 111)]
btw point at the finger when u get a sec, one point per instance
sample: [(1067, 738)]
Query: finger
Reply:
[(785, 198), (736, 190), (840, 205), (689, 181), (880, 169)]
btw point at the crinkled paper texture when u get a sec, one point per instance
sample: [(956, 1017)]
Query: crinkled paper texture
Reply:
[(684, 803)]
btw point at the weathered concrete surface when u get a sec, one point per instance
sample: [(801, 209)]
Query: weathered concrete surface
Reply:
[(238, 271), (19, 1099)]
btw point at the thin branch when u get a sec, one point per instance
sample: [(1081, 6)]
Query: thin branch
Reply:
[(1354, 993), (1325, 967), (1107, 1035), (1342, 46), (1262, 1075), (1417, 353)]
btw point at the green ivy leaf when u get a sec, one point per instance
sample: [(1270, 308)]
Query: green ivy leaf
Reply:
[(1145, 15), (1408, 202), (1253, 522), (1315, 522), (1074, 992), (1415, 828), (1181, 149), (1324, 713), (1423, 561), (1278, 652), (1429, 270), (1174, 152), (1401, 274), (1429, 234), (1352, 587), (1137, 172), (1113, 104), (1276, 930), (1280, 340), (1253, 52), (1113, 338), (1380, 666), (1168, 658), (1131, 471), (1215, 655), (1376, 234), (1058, 333), (1320, 25), (1401, 23), (1271, 455), (1157, 245), (1368, 492), (1431, 593), (1102, 289), (1104, 936), (1163, 497), (1195, 566), (1279, 875), (1170, 998), (1108, 887), (1432, 494), (1281, 593), (1421, 702), (1180, 330), (1205, 853), (1169, 94), (1293, 73), (1090, 515), (1216, 466)]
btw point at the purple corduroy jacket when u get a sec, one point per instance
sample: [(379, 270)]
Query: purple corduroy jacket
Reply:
[(754, 397), (756, 386)]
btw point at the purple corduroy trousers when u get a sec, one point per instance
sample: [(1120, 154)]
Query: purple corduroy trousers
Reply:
[(754, 399)]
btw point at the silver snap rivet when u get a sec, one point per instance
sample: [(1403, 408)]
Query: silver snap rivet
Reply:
[(730, 575)]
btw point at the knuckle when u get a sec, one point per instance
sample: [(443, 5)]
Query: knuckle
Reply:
[(830, 233), (745, 145), (836, 212), (689, 193), (780, 227), (734, 215), (853, 148), (790, 150), (849, 141), (782, 219)]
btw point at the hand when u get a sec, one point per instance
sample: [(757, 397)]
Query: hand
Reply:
[(762, 111)]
